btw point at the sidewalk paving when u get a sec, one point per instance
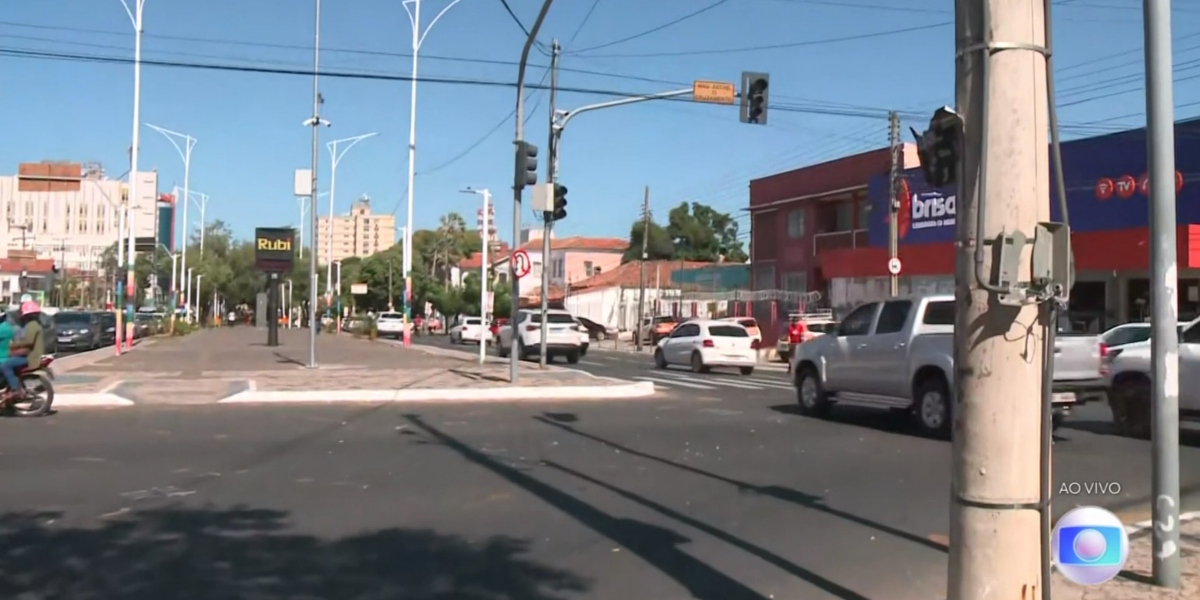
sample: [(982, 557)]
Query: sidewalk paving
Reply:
[(1135, 584), (234, 365)]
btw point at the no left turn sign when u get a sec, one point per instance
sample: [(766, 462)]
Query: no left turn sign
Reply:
[(894, 266)]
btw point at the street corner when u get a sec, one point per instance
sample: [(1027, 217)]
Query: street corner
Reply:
[(1136, 580), (88, 390)]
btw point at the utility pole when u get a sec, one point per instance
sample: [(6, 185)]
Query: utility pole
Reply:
[(894, 199), (995, 525), (645, 254), (519, 186), (314, 320), (547, 216), (1164, 345)]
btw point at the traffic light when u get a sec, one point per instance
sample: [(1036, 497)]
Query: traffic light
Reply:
[(939, 147), (754, 97), (560, 203), (527, 165)]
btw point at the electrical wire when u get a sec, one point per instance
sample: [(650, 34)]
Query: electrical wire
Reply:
[(654, 29), (800, 44), (586, 17)]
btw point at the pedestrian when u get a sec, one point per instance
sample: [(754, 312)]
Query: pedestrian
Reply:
[(796, 331)]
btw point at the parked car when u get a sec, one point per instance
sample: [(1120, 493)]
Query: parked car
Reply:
[(77, 331), (145, 325), (899, 354), (524, 338), (390, 324), (585, 340), (470, 329), (1128, 381), (107, 322), (657, 328), (704, 344)]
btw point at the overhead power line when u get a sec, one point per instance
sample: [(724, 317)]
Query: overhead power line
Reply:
[(652, 30)]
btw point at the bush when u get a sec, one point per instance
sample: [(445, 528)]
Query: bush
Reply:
[(183, 327)]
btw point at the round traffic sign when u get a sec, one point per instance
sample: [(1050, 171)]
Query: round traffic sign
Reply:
[(894, 266), (521, 264)]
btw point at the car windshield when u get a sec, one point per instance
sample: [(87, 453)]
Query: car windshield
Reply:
[(727, 331), (143, 317), (72, 318), (471, 321), (390, 316), (748, 323), (556, 318)]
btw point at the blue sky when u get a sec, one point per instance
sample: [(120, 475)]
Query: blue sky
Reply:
[(829, 95)]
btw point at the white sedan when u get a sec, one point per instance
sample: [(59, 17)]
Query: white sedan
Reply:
[(469, 330), (704, 344)]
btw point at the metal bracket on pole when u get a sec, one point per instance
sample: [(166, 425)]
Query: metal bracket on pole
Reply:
[(1051, 267)]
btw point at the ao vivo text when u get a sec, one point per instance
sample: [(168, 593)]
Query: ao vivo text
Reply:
[(1089, 488), (932, 210)]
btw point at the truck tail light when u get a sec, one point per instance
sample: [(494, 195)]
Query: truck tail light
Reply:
[(1105, 360), (708, 344), (532, 328)]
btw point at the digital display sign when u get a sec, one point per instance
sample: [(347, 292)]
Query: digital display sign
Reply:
[(274, 249)]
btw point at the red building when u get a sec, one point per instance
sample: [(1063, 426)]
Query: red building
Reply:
[(825, 228), (799, 216)]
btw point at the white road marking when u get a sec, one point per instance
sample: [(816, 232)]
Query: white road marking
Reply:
[(591, 364), (673, 382)]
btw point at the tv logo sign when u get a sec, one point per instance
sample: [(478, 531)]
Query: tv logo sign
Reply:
[(932, 209), (1089, 545)]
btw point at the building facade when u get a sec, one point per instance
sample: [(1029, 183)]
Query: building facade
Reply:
[(70, 212), (1107, 209), (357, 233), (165, 228)]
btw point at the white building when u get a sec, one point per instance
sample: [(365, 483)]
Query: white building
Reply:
[(359, 233), (68, 212)]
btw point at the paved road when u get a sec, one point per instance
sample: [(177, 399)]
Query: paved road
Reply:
[(1086, 449)]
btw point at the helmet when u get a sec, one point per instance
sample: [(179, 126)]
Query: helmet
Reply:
[(29, 307)]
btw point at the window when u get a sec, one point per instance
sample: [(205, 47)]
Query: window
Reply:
[(1190, 335), (727, 331), (893, 317), (686, 330), (587, 267), (939, 313), (795, 282), (553, 318), (859, 321), (764, 277), (864, 214), (1127, 335), (795, 223), (844, 216)]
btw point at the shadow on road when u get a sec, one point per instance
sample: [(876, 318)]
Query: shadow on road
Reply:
[(655, 545), (855, 416), (786, 494), (1187, 437), (189, 554), (758, 551)]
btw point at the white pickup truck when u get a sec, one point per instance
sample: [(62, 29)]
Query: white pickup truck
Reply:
[(1128, 375), (899, 354)]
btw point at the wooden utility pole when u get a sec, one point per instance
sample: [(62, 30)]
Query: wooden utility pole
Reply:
[(994, 519), (641, 317), (894, 199)]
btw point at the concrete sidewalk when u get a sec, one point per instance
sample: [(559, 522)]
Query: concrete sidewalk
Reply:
[(1135, 583), (234, 365)]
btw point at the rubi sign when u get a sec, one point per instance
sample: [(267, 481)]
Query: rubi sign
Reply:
[(932, 209)]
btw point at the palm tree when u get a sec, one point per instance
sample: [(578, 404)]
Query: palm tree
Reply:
[(447, 248)]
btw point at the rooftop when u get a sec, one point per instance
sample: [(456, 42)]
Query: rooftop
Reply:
[(600, 244), (630, 274)]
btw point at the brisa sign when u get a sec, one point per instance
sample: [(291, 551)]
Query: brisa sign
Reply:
[(273, 249), (932, 209)]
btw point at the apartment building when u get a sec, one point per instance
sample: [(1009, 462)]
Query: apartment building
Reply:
[(358, 233), (69, 212)]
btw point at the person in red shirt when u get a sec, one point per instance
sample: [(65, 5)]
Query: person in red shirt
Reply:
[(796, 333)]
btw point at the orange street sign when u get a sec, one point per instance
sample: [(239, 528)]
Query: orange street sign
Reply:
[(716, 92)]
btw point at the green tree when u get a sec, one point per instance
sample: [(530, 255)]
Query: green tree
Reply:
[(658, 247), (702, 233)]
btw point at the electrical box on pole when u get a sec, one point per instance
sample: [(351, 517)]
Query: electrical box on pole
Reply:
[(754, 97), (542, 198)]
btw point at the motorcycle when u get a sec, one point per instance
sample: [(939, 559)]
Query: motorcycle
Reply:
[(37, 380)]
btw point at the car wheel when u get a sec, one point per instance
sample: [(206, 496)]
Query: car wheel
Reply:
[(572, 358), (501, 351), (811, 394), (660, 361), (932, 407), (1130, 404), (1057, 420), (747, 370), (698, 363)]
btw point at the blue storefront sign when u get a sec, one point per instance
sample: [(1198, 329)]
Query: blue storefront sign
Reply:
[(1107, 189)]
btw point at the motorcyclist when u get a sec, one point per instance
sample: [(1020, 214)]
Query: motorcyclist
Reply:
[(27, 350)]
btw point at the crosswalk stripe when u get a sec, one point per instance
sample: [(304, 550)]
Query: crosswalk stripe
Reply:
[(745, 384), (670, 382)]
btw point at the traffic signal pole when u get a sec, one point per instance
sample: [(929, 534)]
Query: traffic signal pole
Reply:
[(518, 187), (995, 527), (547, 216)]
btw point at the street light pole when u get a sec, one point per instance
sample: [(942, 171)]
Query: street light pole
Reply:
[(418, 37), (135, 17), (484, 283), (202, 201), (335, 157), (315, 122), (185, 154)]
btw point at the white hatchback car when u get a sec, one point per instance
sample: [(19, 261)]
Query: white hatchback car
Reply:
[(704, 344), (390, 324), (562, 336), (470, 329)]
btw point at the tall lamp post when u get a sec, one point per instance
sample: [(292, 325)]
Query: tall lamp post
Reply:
[(135, 14), (335, 157), (418, 37), (484, 282), (183, 144)]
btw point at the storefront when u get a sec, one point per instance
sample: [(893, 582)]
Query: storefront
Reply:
[(1107, 204)]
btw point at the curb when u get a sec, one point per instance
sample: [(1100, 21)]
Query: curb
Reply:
[(96, 400), (536, 394)]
